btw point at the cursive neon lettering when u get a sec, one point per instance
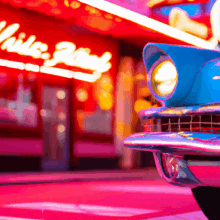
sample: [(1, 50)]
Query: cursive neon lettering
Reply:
[(9, 31), (65, 52), (36, 49), (17, 44), (79, 58), (2, 25), (24, 48), (8, 44)]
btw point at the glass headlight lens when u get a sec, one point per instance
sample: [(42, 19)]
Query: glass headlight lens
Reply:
[(164, 78)]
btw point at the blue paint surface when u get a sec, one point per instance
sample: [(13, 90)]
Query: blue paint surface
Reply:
[(196, 69)]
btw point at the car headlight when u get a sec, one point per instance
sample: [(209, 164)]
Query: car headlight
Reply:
[(174, 73), (164, 78)]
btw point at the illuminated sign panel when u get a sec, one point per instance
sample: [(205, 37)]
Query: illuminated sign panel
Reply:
[(191, 18), (64, 56), (179, 19)]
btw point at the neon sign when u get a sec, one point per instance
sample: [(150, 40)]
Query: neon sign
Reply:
[(65, 52), (50, 70), (179, 19), (149, 23)]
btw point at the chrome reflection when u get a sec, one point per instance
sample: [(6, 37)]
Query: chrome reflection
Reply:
[(207, 123), (180, 111), (182, 143), (171, 165), (174, 170)]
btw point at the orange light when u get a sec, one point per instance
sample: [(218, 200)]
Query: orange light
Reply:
[(82, 95), (43, 112), (118, 19), (105, 100), (151, 3), (91, 10), (108, 16), (141, 104), (106, 83), (66, 2), (75, 4)]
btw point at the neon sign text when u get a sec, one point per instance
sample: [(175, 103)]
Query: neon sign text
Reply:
[(65, 52), (179, 19)]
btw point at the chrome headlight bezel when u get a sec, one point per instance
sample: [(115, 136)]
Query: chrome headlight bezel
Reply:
[(153, 88)]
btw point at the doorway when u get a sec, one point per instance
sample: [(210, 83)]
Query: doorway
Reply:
[(55, 115)]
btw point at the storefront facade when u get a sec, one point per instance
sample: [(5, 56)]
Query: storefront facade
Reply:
[(57, 90)]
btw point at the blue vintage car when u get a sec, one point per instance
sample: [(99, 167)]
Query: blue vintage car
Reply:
[(184, 134)]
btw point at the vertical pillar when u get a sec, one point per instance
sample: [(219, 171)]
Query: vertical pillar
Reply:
[(124, 110)]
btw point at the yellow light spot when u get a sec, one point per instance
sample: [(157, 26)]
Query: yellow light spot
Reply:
[(152, 3), (118, 19), (105, 100), (82, 95), (108, 16), (66, 2), (140, 77), (120, 127), (61, 94), (75, 4), (141, 104), (61, 128), (106, 83)]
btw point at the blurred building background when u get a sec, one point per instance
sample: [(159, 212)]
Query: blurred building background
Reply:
[(72, 80)]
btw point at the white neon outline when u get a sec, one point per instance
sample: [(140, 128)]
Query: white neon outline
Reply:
[(149, 23), (51, 70)]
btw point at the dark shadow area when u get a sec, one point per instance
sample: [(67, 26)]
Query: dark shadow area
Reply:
[(90, 163), (19, 164)]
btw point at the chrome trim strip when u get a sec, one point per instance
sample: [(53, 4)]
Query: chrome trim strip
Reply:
[(180, 143), (179, 111)]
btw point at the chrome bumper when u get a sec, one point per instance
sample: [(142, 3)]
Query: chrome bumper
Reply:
[(186, 172), (180, 143)]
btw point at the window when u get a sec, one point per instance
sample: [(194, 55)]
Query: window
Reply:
[(18, 98), (95, 102)]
